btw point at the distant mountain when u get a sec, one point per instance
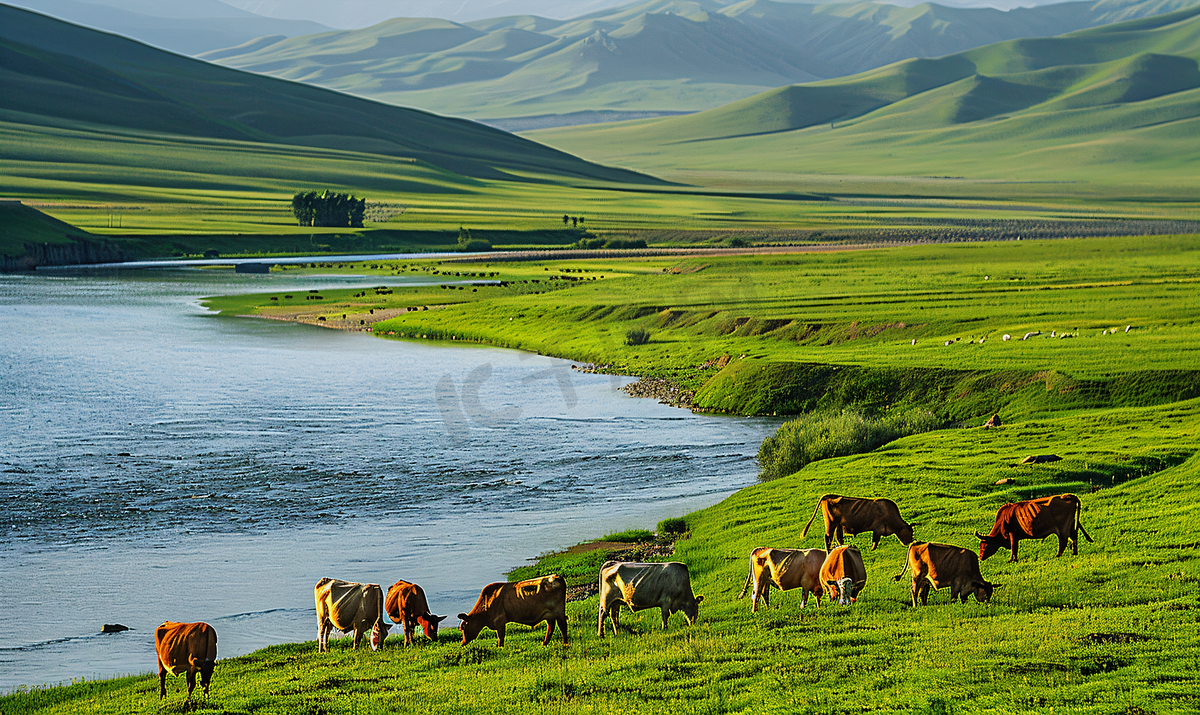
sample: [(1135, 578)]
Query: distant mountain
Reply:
[(661, 56), (1117, 105), (185, 27), (56, 74)]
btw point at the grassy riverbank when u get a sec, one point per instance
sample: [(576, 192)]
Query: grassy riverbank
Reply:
[(1112, 630)]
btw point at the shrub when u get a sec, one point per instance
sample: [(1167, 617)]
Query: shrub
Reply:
[(632, 536), (637, 336), (672, 527), (738, 242), (474, 245), (625, 243), (821, 435)]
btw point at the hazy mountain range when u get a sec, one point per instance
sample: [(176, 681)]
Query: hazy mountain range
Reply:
[(1116, 105), (660, 56)]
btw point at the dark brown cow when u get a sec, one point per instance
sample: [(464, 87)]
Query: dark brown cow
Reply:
[(853, 515), (347, 607), (525, 602), (185, 648), (844, 575), (942, 565), (407, 606), (785, 569), (1035, 519)]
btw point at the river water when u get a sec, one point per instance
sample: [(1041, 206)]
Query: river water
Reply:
[(160, 463)]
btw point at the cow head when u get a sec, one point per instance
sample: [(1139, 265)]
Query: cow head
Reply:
[(470, 626), (379, 632), (983, 590), (989, 545), (905, 532), (430, 623), (206, 671), (691, 610), (844, 590)]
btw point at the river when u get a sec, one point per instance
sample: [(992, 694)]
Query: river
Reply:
[(160, 463)]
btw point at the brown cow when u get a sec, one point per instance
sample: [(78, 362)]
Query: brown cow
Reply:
[(853, 515), (525, 602), (942, 565), (185, 648), (844, 575), (665, 586), (785, 569), (407, 606), (349, 607), (1035, 519)]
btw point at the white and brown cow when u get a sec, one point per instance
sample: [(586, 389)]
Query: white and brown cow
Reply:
[(349, 607), (844, 575), (666, 586), (526, 602), (942, 565), (185, 648)]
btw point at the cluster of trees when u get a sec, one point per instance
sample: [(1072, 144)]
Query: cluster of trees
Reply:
[(574, 221), (328, 209)]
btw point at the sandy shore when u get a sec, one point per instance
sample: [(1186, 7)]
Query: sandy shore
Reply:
[(356, 322)]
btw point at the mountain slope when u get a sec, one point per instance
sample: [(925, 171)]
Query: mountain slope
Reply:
[(61, 75), (1115, 104), (185, 27), (655, 56)]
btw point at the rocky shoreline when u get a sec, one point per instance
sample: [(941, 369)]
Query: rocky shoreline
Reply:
[(665, 391)]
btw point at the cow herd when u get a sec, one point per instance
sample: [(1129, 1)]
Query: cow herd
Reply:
[(839, 572)]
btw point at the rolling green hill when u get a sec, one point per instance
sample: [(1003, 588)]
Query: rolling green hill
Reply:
[(61, 76), (657, 56), (1117, 105)]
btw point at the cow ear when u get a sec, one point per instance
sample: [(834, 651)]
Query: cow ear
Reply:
[(438, 619), (699, 598), (462, 616)]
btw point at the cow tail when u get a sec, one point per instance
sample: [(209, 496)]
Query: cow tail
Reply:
[(900, 575), (814, 516), (749, 577), (1079, 524)]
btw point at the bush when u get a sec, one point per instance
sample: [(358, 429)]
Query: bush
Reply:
[(474, 245), (821, 435), (625, 243), (672, 527), (590, 243), (637, 336), (632, 536), (738, 242)]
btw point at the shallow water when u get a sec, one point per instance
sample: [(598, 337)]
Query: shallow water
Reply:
[(160, 463)]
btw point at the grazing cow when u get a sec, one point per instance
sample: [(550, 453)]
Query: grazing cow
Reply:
[(349, 607), (1035, 519), (407, 606), (852, 515), (844, 575), (185, 648), (785, 569), (525, 602), (667, 586), (942, 565)]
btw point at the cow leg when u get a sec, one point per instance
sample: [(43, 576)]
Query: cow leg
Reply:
[(191, 678), (923, 592), (549, 630), (323, 629), (162, 681), (358, 634), (875, 536), (1012, 548), (600, 620), (766, 595), (615, 614), (1062, 544), (828, 540), (500, 628), (562, 626), (803, 598), (666, 613)]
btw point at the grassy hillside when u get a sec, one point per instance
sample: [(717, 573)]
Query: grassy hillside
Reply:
[(61, 75), (659, 56), (1111, 630), (1116, 105)]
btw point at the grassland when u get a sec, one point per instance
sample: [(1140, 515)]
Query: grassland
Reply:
[(1112, 630)]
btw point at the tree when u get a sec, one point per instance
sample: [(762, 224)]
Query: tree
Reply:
[(328, 209), (566, 219), (574, 222)]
